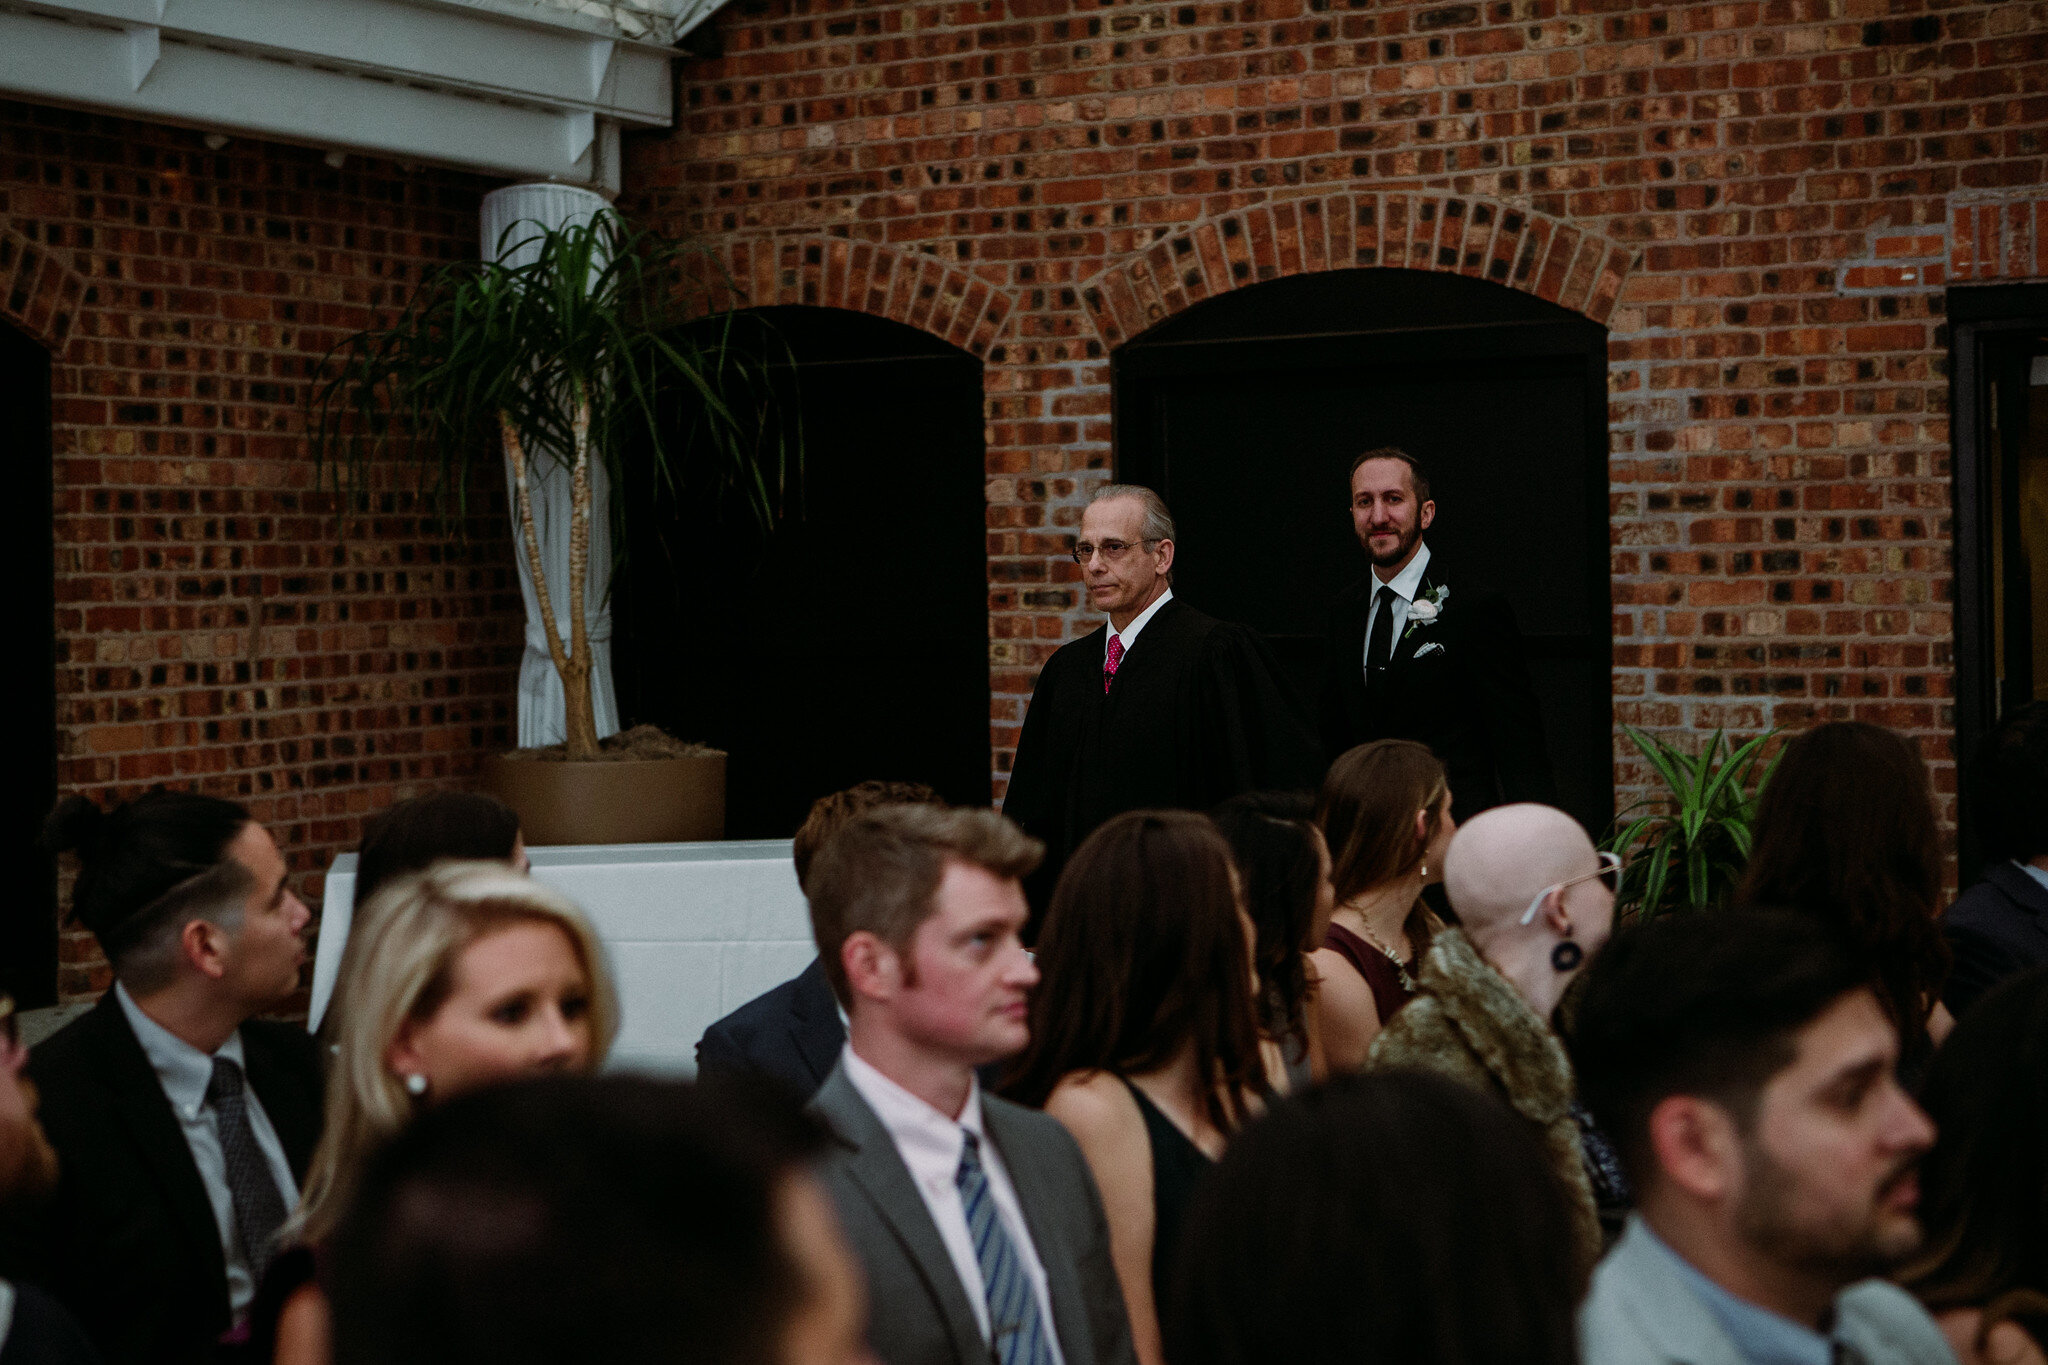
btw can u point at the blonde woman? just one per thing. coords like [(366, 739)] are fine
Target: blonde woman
[(461, 975)]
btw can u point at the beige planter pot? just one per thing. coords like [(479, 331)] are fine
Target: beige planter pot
[(612, 801)]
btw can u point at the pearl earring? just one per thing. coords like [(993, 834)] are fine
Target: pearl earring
[(415, 1085)]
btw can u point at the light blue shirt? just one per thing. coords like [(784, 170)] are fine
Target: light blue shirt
[(1763, 1337), (185, 1072)]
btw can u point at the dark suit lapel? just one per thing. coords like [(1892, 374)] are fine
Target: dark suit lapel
[(159, 1141), (885, 1180), (1414, 637), (2023, 889), (817, 1035), (1035, 1187)]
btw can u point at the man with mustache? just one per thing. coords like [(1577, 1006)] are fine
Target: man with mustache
[(1162, 707), (1747, 1073), (33, 1326), (1417, 654)]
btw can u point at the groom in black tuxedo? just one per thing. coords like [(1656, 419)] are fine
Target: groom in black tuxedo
[(1416, 654)]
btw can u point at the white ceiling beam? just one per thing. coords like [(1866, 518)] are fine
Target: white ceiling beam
[(43, 59), (458, 46)]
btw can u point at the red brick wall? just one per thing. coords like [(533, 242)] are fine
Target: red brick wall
[(1763, 201), (216, 627)]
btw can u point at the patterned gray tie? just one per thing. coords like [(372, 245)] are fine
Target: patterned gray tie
[(1016, 1331), (259, 1205)]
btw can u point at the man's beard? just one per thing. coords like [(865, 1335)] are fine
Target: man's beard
[(1409, 534), (1837, 1249)]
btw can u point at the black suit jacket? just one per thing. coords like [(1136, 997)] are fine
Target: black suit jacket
[(1468, 698), (1996, 929), (791, 1034), (129, 1244)]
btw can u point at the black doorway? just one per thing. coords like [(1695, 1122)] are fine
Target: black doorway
[(28, 747), (1246, 410), (2000, 402), (852, 641)]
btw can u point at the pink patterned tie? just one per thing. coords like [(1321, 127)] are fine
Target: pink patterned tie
[(1116, 656)]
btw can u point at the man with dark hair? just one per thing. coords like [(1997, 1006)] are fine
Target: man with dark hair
[(605, 1218), (1409, 658), (1187, 716), (182, 1124), (1746, 1071), (978, 1223), (1999, 927), (792, 1033)]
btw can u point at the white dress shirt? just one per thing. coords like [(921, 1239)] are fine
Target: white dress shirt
[(1406, 584), (930, 1145), (1129, 634), (185, 1072)]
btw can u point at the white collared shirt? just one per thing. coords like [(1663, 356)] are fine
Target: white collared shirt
[(1406, 584), (185, 1072), (930, 1145), (1129, 634)]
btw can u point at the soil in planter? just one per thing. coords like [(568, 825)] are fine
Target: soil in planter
[(642, 741)]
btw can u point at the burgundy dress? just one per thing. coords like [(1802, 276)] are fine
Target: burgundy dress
[(1379, 971)]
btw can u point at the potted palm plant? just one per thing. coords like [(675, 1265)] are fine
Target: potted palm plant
[(1688, 850), (570, 357)]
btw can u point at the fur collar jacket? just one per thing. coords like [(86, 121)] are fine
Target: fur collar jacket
[(1468, 1023)]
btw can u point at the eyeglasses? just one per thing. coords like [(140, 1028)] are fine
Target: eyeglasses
[(1609, 875), (1112, 550)]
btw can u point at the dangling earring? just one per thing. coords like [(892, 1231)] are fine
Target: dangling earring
[(1425, 869), (416, 1085), (1566, 957)]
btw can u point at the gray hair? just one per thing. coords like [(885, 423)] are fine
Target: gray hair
[(1158, 521)]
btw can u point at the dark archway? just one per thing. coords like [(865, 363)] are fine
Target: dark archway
[(1245, 410), (851, 642), (28, 746)]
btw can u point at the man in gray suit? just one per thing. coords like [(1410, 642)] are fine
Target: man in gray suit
[(979, 1226), (1746, 1071)]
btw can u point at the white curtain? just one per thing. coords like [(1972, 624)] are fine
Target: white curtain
[(542, 713)]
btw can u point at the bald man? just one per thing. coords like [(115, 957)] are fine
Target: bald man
[(1534, 898)]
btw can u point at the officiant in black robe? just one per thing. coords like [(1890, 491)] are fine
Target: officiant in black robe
[(1163, 707)]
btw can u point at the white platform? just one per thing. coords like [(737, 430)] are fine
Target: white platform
[(693, 931)]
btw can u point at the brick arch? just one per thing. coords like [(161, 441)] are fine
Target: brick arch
[(1483, 238), (910, 287), (39, 293)]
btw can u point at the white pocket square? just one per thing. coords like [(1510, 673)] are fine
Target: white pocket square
[(1431, 648)]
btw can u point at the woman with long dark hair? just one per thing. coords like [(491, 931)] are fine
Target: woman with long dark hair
[(1983, 1269), (1385, 811), (1846, 832), (1284, 866), (1144, 1040)]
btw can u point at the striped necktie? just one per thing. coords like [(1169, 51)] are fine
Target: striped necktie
[(1016, 1331)]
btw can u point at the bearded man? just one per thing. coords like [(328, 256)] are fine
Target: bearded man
[(1414, 654)]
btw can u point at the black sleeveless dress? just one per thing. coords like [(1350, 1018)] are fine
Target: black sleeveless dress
[(1177, 1164)]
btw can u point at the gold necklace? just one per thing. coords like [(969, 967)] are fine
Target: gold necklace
[(1366, 933)]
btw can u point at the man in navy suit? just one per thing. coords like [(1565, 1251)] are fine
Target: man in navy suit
[(794, 1032), (1999, 927), (1418, 653)]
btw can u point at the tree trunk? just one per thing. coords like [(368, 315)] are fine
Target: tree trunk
[(574, 669), (581, 711)]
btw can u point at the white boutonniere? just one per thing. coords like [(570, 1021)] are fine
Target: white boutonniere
[(1424, 610)]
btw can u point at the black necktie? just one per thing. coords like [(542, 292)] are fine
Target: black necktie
[(259, 1206), (1379, 644)]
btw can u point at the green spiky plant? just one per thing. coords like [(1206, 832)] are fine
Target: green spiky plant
[(1688, 850), (564, 358)]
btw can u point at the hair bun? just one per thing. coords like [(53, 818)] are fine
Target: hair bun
[(76, 823)]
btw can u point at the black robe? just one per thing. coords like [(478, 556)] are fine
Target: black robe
[(1197, 714)]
